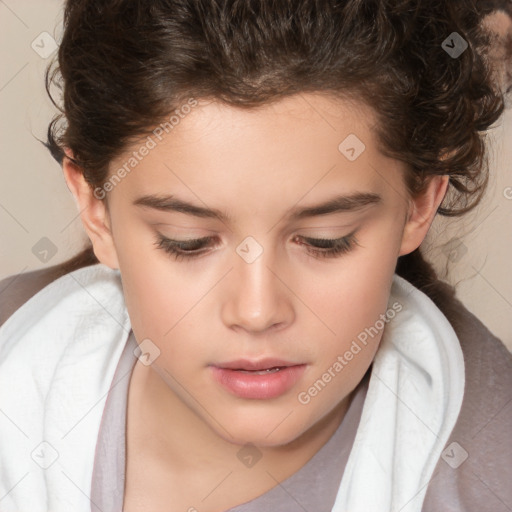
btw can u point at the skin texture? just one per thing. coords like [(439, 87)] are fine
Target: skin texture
[(256, 166)]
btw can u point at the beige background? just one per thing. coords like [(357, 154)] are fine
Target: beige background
[(35, 203)]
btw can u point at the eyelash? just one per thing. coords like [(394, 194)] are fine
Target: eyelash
[(329, 247)]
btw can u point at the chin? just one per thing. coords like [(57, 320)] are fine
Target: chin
[(264, 432)]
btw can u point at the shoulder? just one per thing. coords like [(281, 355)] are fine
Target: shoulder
[(475, 470), (17, 289)]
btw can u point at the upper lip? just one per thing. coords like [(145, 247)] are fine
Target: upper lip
[(263, 364)]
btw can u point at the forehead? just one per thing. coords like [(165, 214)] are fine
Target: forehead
[(305, 117), (302, 145)]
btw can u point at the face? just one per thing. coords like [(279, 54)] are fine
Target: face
[(240, 250)]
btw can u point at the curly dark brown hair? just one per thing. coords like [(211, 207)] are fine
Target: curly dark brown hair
[(124, 65)]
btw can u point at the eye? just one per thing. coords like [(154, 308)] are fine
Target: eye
[(318, 247), (329, 247), (183, 248)]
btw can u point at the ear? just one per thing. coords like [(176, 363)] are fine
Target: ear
[(422, 210), (93, 212)]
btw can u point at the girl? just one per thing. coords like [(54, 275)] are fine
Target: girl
[(254, 327)]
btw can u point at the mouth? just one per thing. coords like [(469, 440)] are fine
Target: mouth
[(259, 380), (261, 365), (262, 372)]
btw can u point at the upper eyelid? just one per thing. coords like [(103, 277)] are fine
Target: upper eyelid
[(205, 240), (191, 241)]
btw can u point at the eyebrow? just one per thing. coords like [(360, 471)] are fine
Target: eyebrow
[(338, 204)]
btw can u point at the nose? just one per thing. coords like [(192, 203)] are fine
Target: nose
[(256, 297)]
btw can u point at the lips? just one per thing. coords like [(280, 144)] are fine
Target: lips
[(248, 365), (260, 380)]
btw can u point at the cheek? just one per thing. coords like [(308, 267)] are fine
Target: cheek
[(354, 318), (350, 303), (352, 296), (156, 292), (157, 301)]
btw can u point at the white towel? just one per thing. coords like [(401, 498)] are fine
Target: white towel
[(414, 398), (59, 352)]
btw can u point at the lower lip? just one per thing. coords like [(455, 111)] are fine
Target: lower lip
[(261, 387)]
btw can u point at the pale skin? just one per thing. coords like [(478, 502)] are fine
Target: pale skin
[(183, 429)]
